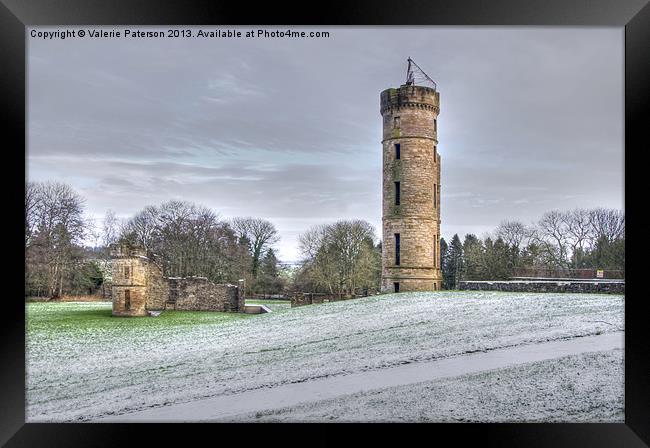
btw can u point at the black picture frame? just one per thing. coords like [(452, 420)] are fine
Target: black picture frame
[(634, 15)]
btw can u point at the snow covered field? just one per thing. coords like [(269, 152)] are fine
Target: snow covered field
[(579, 388), (83, 364)]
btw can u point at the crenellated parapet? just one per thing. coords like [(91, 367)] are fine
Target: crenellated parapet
[(123, 250), (419, 97)]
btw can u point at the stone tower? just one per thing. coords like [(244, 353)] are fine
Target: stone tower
[(411, 189), (138, 283)]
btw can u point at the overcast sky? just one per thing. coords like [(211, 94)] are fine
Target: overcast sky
[(531, 119)]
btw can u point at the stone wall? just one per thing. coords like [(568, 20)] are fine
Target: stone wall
[(417, 217), (129, 301), (157, 287), (200, 294), (312, 298), (597, 287)]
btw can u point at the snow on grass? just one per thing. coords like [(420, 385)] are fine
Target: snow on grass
[(82, 363), (587, 388)]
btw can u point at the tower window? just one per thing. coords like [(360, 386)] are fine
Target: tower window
[(396, 122), (396, 286), (434, 251), (127, 299), (397, 193), (397, 249), (127, 272), (435, 125), (435, 197), (397, 151)]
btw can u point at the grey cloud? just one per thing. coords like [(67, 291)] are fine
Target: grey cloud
[(531, 119)]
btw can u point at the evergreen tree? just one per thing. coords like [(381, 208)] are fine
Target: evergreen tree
[(455, 265), (473, 253), (607, 254), (444, 263), (502, 263), (268, 279)]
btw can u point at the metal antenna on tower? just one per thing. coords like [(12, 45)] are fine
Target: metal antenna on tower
[(415, 75), (409, 74)]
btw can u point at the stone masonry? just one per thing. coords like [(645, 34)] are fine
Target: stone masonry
[(139, 287), (411, 173), (138, 283), (594, 287), (200, 294)]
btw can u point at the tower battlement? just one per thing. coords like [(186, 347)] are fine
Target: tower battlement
[(410, 96), (125, 251)]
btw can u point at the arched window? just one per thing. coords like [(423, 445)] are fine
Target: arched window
[(434, 251)]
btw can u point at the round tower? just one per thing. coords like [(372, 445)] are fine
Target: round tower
[(411, 189)]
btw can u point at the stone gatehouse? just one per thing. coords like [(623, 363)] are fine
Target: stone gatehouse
[(139, 287)]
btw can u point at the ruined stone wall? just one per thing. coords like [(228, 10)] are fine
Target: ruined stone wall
[(141, 279), (200, 294), (157, 287), (417, 217), (545, 286), (307, 298)]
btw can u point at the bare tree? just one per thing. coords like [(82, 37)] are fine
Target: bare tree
[(188, 239), (608, 224), (579, 232), (341, 257), (318, 264), (513, 233), (552, 236), (32, 205), (141, 228), (575, 238), (260, 235), (110, 228), (55, 229)]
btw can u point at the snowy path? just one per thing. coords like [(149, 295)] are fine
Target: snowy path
[(225, 407)]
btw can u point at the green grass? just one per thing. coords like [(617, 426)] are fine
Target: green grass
[(90, 317)]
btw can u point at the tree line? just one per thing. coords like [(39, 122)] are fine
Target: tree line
[(55, 228), (559, 240), (341, 258), (186, 239)]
